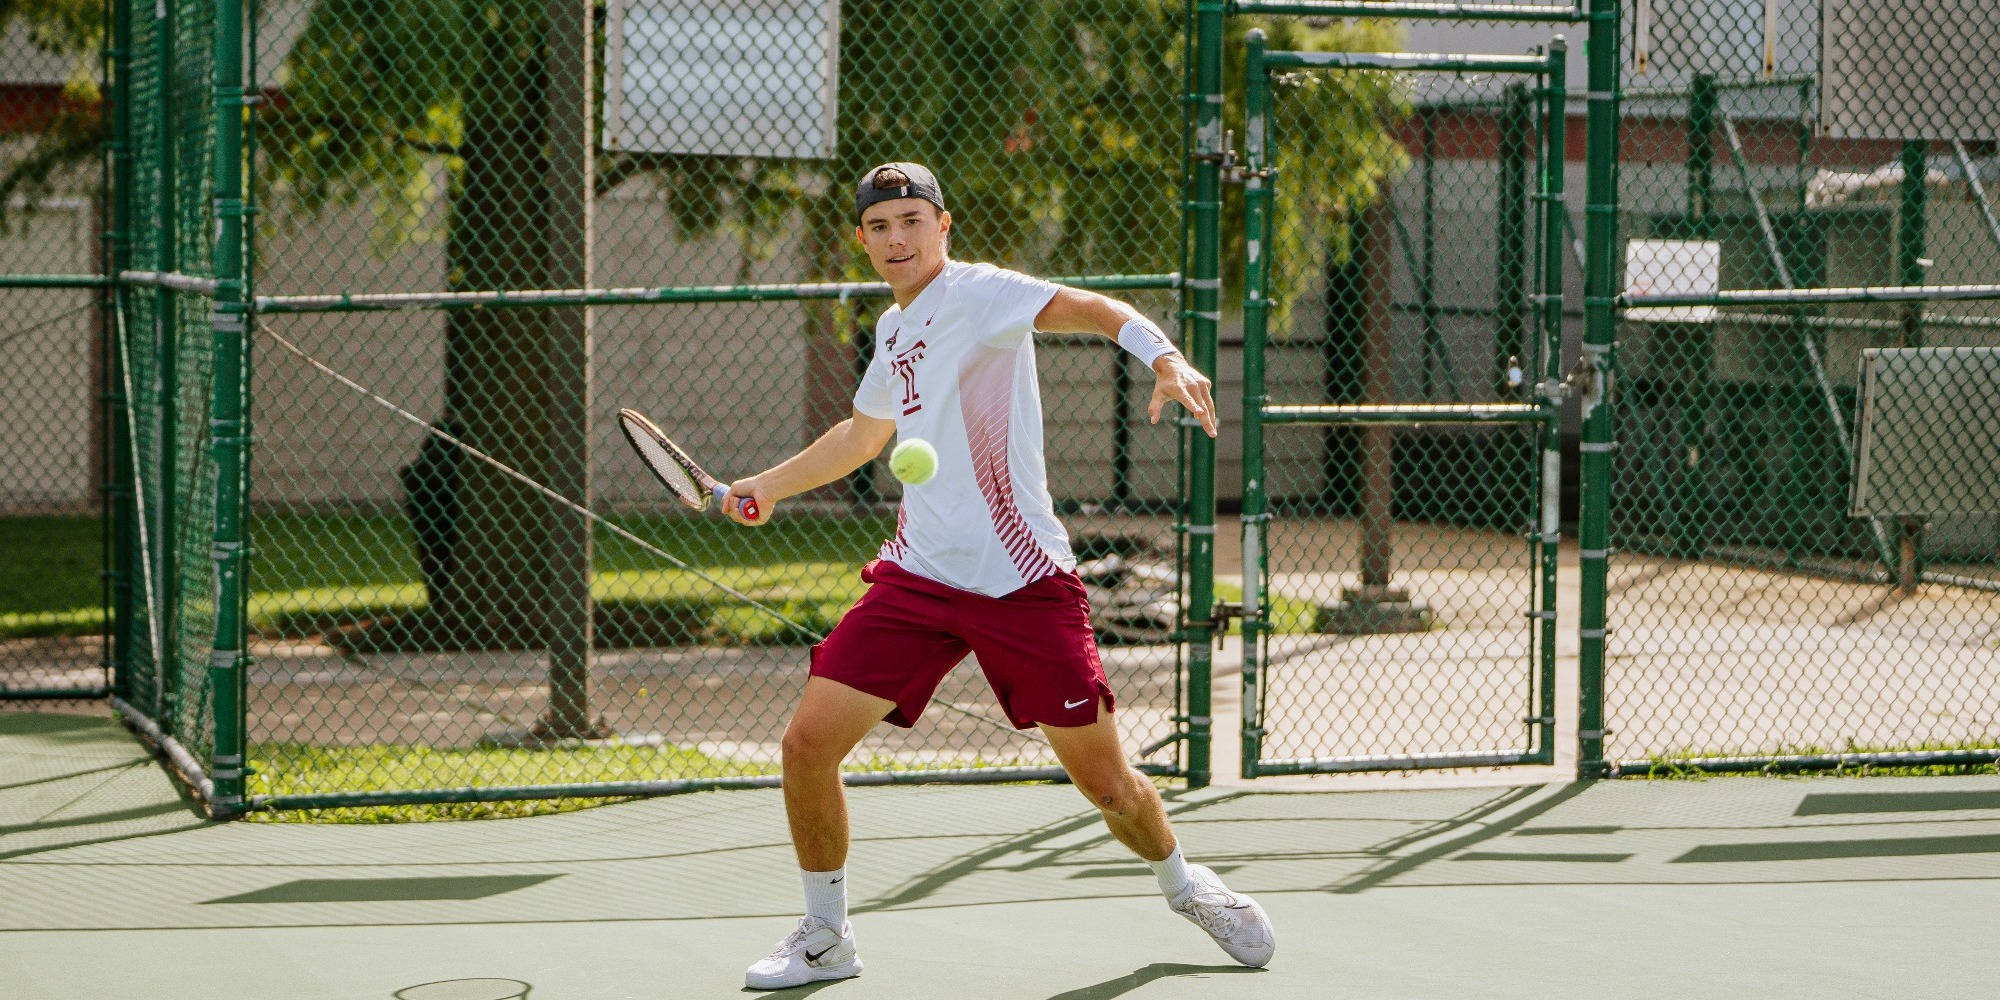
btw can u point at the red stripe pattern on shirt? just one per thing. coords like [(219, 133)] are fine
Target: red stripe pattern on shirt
[(899, 545), (986, 397)]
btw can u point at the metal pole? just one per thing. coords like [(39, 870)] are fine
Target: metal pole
[(1701, 156), (1599, 327), (1687, 515), (1910, 267), (117, 252), (1910, 226), (1256, 316), (1204, 319), (166, 439), (228, 421), (570, 181), (1554, 161)]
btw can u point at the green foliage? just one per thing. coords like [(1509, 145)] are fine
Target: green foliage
[(1056, 126), (64, 27), (74, 135), (369, 90), (1334, 155)]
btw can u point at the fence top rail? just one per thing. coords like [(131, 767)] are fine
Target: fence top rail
[(371, 301), (1450, 62), (1404, 413), (170, 281), (1810, 296), (53, 281), (1547, 13)]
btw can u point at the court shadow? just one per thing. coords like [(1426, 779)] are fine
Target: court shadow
[(1122, 985), (798, 991)]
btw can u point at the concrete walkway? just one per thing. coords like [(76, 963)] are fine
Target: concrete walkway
[(110, 886)]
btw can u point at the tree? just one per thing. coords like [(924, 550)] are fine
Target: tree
[(70, 135), (1057, 127)]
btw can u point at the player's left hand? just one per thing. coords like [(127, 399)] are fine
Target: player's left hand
[(1176, 380)]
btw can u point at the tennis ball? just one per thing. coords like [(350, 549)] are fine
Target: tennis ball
[(914, 461)]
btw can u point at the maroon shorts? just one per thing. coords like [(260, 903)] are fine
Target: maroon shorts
[(1034, 645)]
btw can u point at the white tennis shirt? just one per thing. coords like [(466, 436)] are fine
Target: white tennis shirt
[(957, 368)]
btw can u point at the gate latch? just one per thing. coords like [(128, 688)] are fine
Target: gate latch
[(1221, 613)]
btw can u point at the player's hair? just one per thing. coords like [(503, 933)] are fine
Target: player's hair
[(889, 178)]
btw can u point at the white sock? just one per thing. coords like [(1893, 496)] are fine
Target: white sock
[(1172, 871), (826, 896)]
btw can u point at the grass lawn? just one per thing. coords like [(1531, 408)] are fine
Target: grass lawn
[(312, 573), (49, 582), (293, 768), (296, 768)]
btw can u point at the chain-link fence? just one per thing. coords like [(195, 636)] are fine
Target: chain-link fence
[(498, 225), (1396, 346), (425, 623), (1759, 605), (52, 371)]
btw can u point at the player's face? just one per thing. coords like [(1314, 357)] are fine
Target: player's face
[(905, 239)]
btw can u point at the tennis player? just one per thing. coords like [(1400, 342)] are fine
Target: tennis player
[(978, 564)]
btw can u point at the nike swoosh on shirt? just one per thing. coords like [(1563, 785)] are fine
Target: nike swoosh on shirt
[(1073, 704)]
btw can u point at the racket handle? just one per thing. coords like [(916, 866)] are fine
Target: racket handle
[(747, 505)]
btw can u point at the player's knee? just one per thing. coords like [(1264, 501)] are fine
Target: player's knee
[(804, 746), (1118, 793)]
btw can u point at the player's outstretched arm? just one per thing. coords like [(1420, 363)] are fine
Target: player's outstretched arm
[(1074, 310), (846, 447)]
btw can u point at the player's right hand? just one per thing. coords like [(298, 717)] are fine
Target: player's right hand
[(748, 488)]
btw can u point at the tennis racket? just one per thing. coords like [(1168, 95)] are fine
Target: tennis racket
[(673, 468)]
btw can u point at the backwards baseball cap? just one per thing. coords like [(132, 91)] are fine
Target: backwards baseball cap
[(920, 185)]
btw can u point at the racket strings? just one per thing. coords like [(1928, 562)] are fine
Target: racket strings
[(596, 518), (665, 465)]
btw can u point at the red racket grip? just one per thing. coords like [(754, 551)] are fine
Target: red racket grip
[(748, 505)]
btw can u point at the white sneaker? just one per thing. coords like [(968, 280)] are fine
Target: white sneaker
[(1234, 920), (815, 951)]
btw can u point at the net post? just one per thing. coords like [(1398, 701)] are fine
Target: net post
[(1256, 316), (1599, 329), (228, 420), (1203, 318)]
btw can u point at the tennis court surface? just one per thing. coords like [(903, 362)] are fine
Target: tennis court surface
[(1732, 887)]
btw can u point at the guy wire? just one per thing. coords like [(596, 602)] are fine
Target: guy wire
[(595, 517)]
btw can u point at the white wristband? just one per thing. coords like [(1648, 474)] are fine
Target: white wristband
[(1144, 340)]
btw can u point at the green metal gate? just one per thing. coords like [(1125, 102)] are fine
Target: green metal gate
[(1402, 308)]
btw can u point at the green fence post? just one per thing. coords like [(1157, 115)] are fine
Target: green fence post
[(1256, 315), (166, 362), (1204, 318), (1910, 225), (1554, 162), (1701, 157), (1599, 326), (117, 256), (228, 423)]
